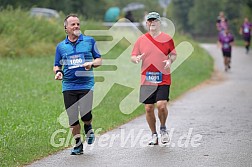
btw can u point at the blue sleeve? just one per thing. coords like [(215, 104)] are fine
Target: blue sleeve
[(95, 51), (57, 61)]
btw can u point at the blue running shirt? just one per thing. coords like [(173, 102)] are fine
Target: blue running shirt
[(71, 56)]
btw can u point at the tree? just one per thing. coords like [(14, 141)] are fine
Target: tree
[(180, 10)]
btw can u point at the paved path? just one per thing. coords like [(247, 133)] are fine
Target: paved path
[(211, 125)]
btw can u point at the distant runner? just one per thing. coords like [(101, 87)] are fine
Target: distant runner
[(226, 41), (245, 31), (221, 23)]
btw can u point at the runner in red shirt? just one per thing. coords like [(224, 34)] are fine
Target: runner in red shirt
[(157, 52)]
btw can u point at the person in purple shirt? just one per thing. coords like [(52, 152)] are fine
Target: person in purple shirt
[(245, 31), (226, 42), (221, 23)]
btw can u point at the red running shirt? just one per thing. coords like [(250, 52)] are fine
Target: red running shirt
[(155, 50)]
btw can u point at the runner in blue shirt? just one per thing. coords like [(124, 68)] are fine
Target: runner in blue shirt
[(75, 58)]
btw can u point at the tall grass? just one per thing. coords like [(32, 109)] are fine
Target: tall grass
[(31, 100), (22, 34)]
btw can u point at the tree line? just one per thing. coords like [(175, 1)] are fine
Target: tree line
[(89, 9), (196, 17)]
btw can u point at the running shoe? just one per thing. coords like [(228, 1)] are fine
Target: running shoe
[(154, 139), (164, 137), (77, 150), (90, 137)]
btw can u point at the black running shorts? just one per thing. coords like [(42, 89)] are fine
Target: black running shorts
[(226, 54), (247, 38), (152, 94), (77, 102)]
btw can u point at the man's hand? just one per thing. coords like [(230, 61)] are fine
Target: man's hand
[(88, 65), (167, 64), (137, 59), (58, 76)]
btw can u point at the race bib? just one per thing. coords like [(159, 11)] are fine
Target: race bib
[(246, 30), (154, 77), (226, 45), (75, 61)]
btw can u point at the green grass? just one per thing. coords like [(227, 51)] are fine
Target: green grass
[(197, 68), (31, 100)]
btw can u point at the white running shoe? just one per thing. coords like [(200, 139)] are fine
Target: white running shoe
[(154, 140), (164, 137)]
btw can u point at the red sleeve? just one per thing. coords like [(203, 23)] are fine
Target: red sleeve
[(136, 48), (173, 51)]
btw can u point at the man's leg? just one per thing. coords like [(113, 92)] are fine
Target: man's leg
[(162, 111), (162, 100), (229, 62), (71, 105), (87, 119), (226, 63), (247, 45), (78, 148), (86, 102), (151, 120), (147, 96), (76, 133), (150, 117), (162, 115)]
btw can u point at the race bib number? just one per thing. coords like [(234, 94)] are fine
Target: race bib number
[(154, 77), (75, 61)]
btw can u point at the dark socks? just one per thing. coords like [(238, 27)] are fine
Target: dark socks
[(78, 141), (87, 128), (162, 128)]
